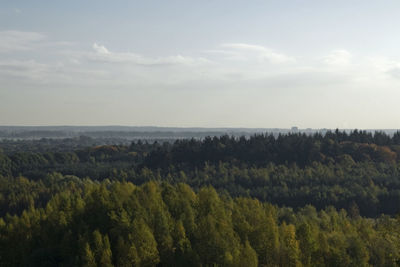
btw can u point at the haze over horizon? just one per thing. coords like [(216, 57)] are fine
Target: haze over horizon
[(259, 64)]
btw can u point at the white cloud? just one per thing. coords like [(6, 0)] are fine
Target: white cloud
[(230, 63), (394, 72), (100, 49), (385, 65), (338, 58), (19, 41), (102, 54), (241, 51), (23, 69)]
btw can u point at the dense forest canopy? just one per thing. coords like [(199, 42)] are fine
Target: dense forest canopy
[(338, 168), (287, 200), (84, 223)]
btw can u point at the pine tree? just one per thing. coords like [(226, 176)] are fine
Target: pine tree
[(126, 254), (145, 243), (307, 243), (290, 252), (106, 254), (248, 256), (88, 257)]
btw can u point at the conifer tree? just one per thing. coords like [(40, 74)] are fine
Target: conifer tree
[(145, 243), (290, 252), (88, 257)]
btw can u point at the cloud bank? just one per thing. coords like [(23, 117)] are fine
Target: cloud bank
[(241, 51), (227, 62), (11, 41), (102, 54), (235, 81)]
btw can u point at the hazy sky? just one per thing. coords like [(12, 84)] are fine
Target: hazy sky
[(201, 63)]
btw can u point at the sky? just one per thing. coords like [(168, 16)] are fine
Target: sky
[(262, 64)]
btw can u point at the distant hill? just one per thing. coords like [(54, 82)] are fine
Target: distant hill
[(143, 132)]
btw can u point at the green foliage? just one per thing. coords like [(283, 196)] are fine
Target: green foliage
[(356, 170), (289, 250), (216, 202), (118, 224), (145, 243), (248, 256), (88, 257)]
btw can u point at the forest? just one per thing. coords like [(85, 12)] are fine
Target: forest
[(294, 199)]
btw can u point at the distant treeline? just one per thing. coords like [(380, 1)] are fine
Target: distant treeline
[(109, 134), (261, 149)]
